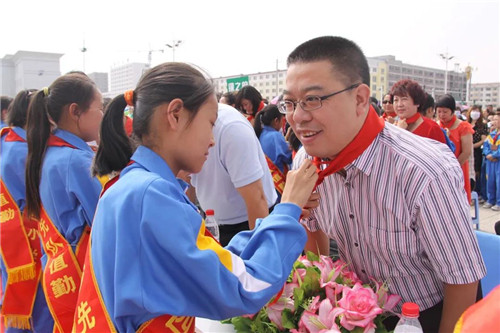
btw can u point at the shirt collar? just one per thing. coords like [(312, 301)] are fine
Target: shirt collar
[(364, 162), (20, 131), (72, 139)]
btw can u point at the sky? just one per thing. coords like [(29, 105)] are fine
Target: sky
[(243, 37)]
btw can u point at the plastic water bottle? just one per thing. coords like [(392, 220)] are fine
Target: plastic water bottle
[(409, 320), (210, 223)]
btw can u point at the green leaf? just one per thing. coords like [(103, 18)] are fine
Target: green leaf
[(312, 256), (241, 324), (298, 297), (288, 319)]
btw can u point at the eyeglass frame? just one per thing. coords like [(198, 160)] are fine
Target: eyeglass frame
[(321, 99), (387, 102)]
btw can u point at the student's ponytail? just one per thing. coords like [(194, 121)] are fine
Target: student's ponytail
[(266, 117), (44, 112), (115, 147), (257, 126), (37, 133)]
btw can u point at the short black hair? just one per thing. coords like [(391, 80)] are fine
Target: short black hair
[(5, 102), (345, 56)]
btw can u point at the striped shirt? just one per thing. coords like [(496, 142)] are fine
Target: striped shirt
[(400, 215)]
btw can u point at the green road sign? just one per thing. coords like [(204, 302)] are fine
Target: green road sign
[(237, 83)]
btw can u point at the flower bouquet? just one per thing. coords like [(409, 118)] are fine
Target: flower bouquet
[(321, 295)]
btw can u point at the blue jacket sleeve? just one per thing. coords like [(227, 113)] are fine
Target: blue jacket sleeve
[(200, 278), (486, 147)]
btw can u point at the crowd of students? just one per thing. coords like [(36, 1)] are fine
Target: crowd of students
[(99, 235)]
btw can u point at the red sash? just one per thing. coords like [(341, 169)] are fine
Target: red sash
[(62, 273), (278, 177), (20, 249), (92, 316)]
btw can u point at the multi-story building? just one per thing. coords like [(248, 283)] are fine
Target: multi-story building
[(384, 72), (124, 77), (101, 81), (28, 70), (485, 94), (269, 84)]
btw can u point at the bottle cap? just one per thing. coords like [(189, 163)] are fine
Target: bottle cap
[(209, 212), (410, 309)]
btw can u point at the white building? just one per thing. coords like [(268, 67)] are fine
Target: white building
[(125, 77), (28, 70), (101, 81), (485, 94)]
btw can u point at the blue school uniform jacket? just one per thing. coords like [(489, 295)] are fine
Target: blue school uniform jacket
[(69, 193), (151, 257), (12, 167), (275, 147)]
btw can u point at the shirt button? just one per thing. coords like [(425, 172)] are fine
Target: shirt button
[(364, 272), (356, 244), (347, 184), (351, 215)]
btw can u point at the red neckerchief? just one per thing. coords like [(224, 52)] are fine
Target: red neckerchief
[(261, 106), (55, 141), (413, 118), (448, 124), (391, 114), (11, 135), (371, 128)]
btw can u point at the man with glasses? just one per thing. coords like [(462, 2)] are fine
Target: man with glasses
[(391, 200)]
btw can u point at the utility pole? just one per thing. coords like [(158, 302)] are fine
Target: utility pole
[(173, 46), (446, 58), (83, 50)]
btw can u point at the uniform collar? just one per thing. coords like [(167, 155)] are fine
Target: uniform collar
[(72, 139), (152, 162), (19, 131)]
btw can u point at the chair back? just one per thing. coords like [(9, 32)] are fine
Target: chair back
[(489, 245)]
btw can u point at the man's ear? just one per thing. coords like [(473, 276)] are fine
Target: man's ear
[(362, 99), (173, 112)]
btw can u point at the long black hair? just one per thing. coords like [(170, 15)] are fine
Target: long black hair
[(159, 85), (44, 111), (266, 117), (18, 109)]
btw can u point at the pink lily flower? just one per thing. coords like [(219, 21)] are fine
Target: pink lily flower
[(324, 321)]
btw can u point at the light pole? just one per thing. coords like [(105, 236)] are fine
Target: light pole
[(446, 58), (83, 49), (173, 46), (468, 75)]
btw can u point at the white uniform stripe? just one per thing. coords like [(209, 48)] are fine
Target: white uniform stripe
[(249, 282)]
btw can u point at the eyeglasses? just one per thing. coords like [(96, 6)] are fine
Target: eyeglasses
[(386, 102), (310, 102)]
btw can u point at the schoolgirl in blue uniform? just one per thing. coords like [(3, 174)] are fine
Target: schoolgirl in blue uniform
[(14, 150), (491, 152), (150, 257), (60, 190), (267, 125)]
